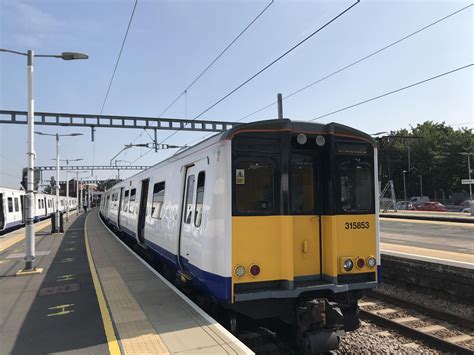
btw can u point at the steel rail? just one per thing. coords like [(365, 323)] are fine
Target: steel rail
[(435, 313), (413, 333)]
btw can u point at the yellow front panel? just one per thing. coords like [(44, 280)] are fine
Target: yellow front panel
[(265, 241), (306, 251), (347, 236)]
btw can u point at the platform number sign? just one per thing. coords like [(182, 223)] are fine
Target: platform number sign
[(240, 176)]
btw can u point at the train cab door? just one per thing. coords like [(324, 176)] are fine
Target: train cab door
[(191, 213), (142, 212), (305, 206)]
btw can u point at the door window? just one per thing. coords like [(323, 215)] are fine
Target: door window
[(302, 184), (254, 187), (10, 204), (17, 205), (158, 199), (199, 198), (125, 201), (189, 200), (133, 194)]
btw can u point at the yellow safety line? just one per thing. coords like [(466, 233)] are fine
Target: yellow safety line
[(12, 240), (446, 223), (104, 310)]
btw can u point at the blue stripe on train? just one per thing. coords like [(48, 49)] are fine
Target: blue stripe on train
[(13, 224), (214, 285)]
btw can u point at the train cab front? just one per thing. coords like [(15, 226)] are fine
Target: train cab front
[(304, 226)]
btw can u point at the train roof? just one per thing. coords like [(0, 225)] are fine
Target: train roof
[(297, 127)]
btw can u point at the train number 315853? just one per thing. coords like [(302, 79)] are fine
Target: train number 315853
[(357, 225)]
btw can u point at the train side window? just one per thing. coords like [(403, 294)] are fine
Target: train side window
[(199, 198), (188, 216), (158, 199), (133, 193), (17, 205), (356, 184), (254, 187), (10, 204), (125, 201)]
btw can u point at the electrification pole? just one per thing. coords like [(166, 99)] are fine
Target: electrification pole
[(30, 186)]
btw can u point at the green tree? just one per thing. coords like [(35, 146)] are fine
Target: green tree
[(434, 154)]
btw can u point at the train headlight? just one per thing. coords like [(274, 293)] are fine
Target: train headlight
[(239, 271), (360, 263), (254, 270), (301, 138), (371, 261), (320, 141), (348, 265)]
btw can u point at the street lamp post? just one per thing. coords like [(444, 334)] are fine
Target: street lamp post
[(79, 195), (29, 226), (421, 185), (118, 170), (469, 171), (404, 185), (57, 135), (67, 184)]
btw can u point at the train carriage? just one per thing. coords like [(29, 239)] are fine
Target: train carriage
[(272, 219), (11, 211)]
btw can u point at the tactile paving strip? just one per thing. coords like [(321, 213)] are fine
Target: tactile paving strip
[(135, 332)]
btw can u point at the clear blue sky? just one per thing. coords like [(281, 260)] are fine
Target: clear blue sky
[(170, 42)]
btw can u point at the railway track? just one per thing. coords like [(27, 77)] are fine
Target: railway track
[(440, 330)]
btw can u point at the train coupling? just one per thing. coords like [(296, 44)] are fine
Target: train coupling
[(320, 324)]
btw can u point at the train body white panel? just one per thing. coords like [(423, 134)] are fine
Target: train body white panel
[(11, 211)]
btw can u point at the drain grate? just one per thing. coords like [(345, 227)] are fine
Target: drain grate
[(48, 291)]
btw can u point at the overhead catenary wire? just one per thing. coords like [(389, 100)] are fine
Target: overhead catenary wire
[(184, 92), (357, 61), (114, 71), (266, 67), (276, 60), (393, 92), (118, 57)]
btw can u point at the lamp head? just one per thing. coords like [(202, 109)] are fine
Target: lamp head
[(73, 56)]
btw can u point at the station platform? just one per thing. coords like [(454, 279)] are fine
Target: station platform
[(429, 216), (465, 261), (441, 242), (96, 296)]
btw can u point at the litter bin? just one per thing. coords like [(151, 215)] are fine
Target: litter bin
[(61, 222), (53, 223), (54, 227)]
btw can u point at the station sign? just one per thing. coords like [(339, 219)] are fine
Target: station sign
[(467, 181)]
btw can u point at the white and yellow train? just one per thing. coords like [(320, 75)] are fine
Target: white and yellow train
[(273, 220)]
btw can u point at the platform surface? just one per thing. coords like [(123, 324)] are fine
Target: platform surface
[(96, 297), (449, 243), (427, 215)]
